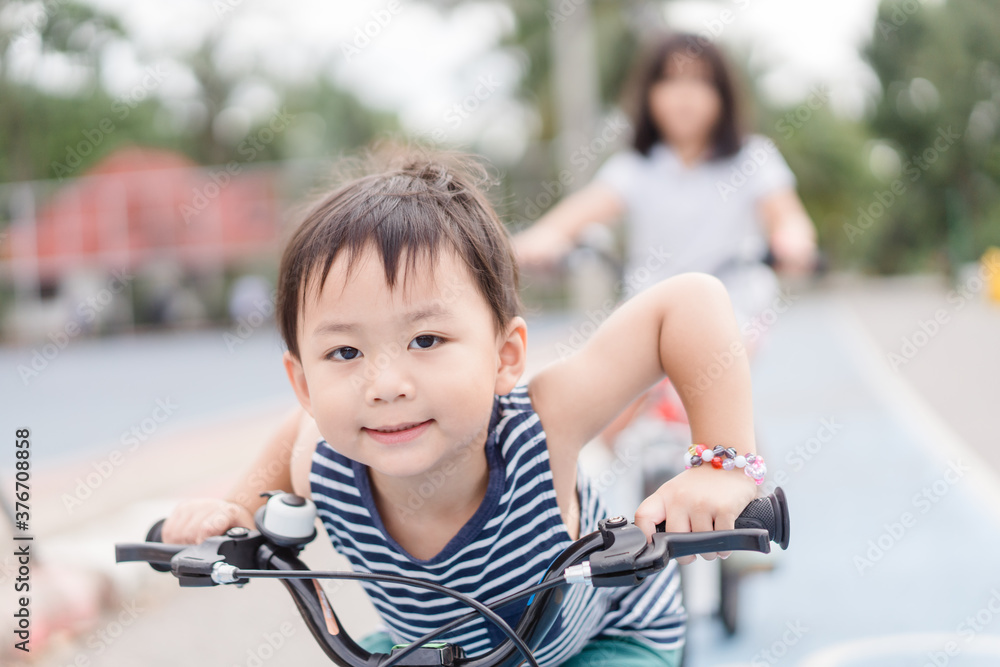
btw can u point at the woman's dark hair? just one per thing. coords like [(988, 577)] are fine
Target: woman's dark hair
[(651, 66), (410, 202)]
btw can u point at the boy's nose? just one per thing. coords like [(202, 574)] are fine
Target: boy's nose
[(389, 381)]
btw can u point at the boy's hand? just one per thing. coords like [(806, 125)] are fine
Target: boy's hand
[(697, 499), (193, 521)]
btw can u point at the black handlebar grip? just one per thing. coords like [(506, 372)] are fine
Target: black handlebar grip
[(155, 534), (769, 513)]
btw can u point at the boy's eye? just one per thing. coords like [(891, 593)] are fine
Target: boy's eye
[(424, 342), (344, 353)]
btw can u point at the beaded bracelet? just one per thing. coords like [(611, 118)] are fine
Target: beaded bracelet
[(727, 459)]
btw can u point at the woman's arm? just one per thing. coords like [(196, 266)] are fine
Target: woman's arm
[(790, 231), (683, 327), (555, 232)]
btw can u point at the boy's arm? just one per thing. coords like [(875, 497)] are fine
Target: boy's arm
[(195, 520), (272, 467), (683, 327)]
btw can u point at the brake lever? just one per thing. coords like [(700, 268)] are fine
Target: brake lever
[(208, 563), (615, 564), (627, 558), (666, 546), (202, 564)]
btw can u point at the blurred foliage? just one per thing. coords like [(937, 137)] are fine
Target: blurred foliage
[(939, 67), (47, 135), (33, 124), (614, 44), (828, 156)]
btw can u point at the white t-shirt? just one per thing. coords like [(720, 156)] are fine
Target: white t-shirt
[(700, 218)]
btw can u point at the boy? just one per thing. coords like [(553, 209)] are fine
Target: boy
[(398, 303)]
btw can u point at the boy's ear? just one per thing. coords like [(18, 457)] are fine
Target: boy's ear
[(297, 376), (512, 356)]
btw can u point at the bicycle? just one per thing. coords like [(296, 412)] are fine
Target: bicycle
[(617, 554)]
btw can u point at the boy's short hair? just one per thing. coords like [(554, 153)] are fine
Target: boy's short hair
[(412, 199)]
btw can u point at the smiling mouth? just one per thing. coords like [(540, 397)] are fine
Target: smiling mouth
[(400, 427)]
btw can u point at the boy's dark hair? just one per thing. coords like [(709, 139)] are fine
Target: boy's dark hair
[(409, 198), (650, 67)]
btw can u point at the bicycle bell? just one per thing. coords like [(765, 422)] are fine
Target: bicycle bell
[(286, 519)]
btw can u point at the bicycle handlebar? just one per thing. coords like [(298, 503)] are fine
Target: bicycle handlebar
[(617, 554)]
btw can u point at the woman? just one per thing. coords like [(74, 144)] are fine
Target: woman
[(691, 186)]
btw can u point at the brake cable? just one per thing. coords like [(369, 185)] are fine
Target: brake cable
[(239, 573), (450, 625)]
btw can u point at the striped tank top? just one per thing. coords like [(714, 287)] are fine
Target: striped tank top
[(505, 547)]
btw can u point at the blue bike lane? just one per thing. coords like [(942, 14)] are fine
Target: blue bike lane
[(895, 523)]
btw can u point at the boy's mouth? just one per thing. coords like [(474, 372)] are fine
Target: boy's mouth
[(398, 427), (398, 432)]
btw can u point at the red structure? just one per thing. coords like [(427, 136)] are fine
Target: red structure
[(142, 203)]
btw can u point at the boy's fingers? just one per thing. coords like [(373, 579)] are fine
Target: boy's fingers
[(679, 522), (175, 528), (701, 522), (649, 513), (725, 521)]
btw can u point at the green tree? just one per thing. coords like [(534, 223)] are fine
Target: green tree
[(939, 69), (49, 135)]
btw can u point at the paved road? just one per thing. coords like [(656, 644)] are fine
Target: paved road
[(894, 518), (944, 340)]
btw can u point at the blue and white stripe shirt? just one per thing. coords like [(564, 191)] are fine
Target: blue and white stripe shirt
[(505, 547)]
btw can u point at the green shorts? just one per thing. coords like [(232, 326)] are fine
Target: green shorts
[(598, 652)]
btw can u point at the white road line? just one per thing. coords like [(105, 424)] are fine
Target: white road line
[(901, 646), (939, 440)]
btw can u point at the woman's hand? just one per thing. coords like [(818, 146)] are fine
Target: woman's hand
[(540, 246), (794, 248), (698, 499), (791, 234), (193, 521)]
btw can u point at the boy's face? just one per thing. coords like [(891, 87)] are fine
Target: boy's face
[(424, 356)]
